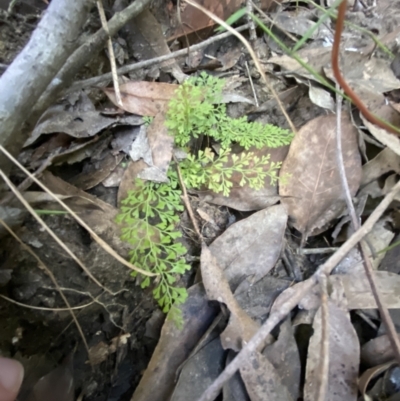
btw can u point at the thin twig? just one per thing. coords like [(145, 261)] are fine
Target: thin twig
[(186, 201), (111, 55), (43, 266), (72, 308), (50, 232), (369, 271), (90, 82), (252, 54), (252, 85), (275, 317), (324, 354), (102, 243)]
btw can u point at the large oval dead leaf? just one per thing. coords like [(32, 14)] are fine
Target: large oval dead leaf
[(143, 98), (251, 246), (311, 187), (344, 357)]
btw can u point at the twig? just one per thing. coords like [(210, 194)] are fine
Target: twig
[(252, 28), (252, 54), (369, 271), (252, 85), (82, 55), (72, 308), (324, 354), (186, 201), (90, 82), (275, 317), (42, 265), (102, 243), (36, 65), (111, 55), (50, 232)]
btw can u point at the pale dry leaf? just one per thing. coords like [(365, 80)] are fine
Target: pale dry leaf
[(252, 246), (199, 371), (390, 140), (377, 351), (384, 162), (263, 382), (313, 191), (358, 291), (344, 358), (143, 98), (240, 327), (283, 354)]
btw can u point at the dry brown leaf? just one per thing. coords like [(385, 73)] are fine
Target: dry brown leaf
[(149, 42), (358, 291), (240, 327), (263, 382), (385, 161), (377, 351), (284, 356), (95, 172), (390, 140), (143, 98), (193, 20), (313, 191), (251, 246), (174, 346), (344, 358), (199, 371)]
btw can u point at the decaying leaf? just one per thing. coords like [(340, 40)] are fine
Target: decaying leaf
[(143, 98), (147, 41), (240, 327), (174, 347), (344, 357), (358, 291), (263, 382), (377, 351), (252, 246), (283, 354), (199, 371), (390, 140), (385, 161), (313, 190)]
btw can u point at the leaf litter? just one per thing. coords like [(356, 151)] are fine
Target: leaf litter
[(94, 155)]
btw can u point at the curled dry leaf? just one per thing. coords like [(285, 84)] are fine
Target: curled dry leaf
[(143, 98), (313, 191), (344, 356)]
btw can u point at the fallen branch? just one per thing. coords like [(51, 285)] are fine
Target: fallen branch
[(27, 77)]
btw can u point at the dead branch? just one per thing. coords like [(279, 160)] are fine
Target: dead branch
[(33, 69)]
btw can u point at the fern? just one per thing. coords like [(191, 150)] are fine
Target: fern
[(149, 214), (215, 173), (149, 218), (196, 110)]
